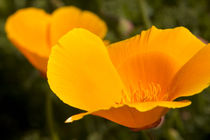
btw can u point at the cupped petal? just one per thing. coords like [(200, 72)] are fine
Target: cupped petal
[(193, 77), (66, 18), (81, 73), (28, 30), (141, 116), (178, 43)]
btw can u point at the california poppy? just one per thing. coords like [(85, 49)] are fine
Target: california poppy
[(34, 32), (132, 82)]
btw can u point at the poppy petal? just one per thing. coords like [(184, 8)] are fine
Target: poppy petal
[(81, 73), (178, 43), (77, 117), (193, 77), (126, 116), (131, 117), (33, 34), (139, 116), (40, 62), (66, 18), (31, 38), (146, 106), (93, 23)]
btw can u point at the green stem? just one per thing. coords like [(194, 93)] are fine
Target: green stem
[(49, 117), (145, 135), (145, 16)]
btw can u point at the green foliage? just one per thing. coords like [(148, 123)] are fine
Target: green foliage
[(22, 90)]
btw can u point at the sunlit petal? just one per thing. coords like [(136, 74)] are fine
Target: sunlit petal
[(81, 73)]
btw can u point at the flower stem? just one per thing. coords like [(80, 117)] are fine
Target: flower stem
[(144, 12), (49, 117), (145, 135)]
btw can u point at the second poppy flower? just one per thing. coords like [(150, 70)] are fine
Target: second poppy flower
[(34, 32)]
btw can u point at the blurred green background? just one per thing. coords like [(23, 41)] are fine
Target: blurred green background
[(22, 89)]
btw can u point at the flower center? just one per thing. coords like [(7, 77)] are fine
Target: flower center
[(148, 93), (146, 77)]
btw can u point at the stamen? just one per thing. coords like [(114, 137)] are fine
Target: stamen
[(144, 93)]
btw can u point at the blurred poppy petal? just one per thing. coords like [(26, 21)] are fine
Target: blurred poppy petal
[(40, 62), (28, 31), (28, 28), (66, 18), (93, 23), (81, 73)]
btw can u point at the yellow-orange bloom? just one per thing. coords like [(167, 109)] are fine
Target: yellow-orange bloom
[(134, 82), (33, 31)]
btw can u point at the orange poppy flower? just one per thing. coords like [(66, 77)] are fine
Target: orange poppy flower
[(134, 82), (33, 31)]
